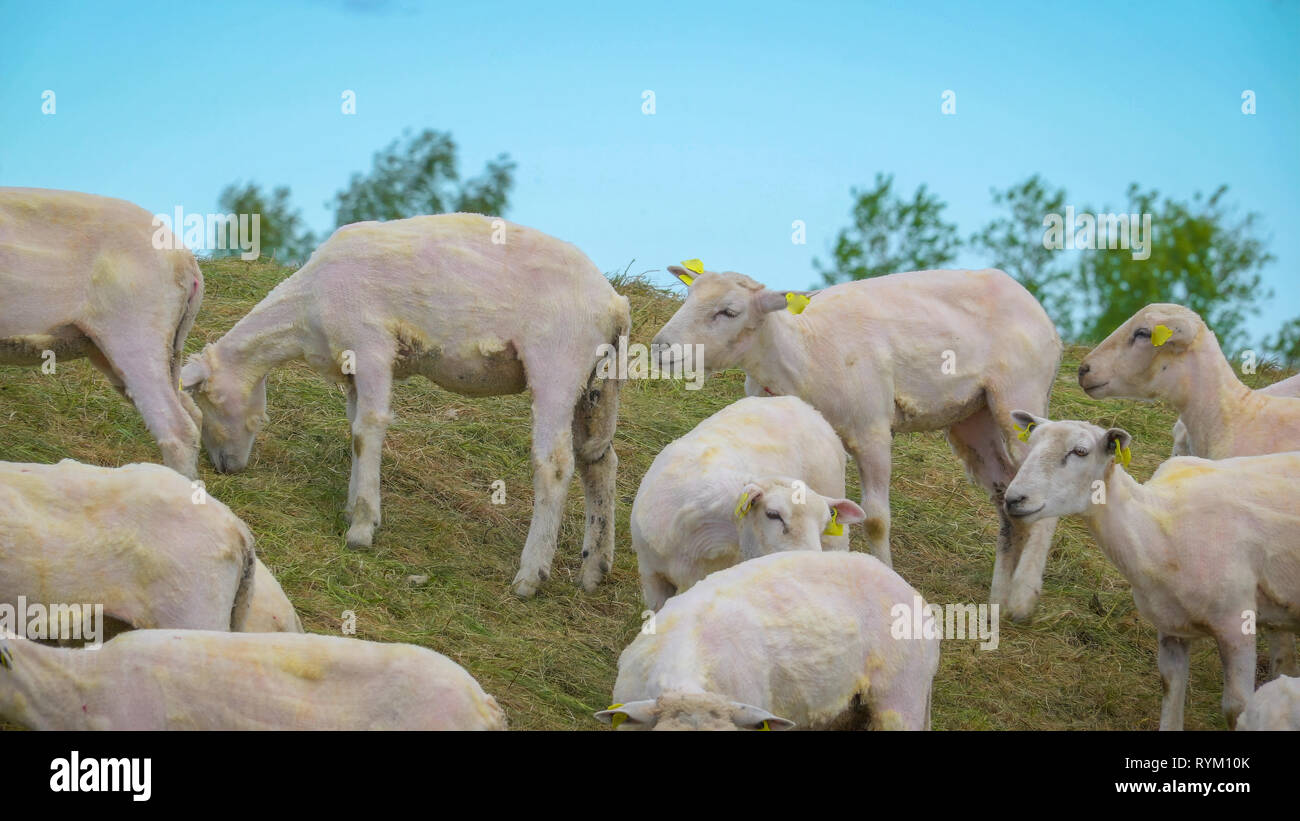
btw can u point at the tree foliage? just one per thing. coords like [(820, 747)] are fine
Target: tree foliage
[(281, 230)]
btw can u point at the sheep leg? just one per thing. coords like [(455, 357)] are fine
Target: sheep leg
[(1281, 655), (1175, 666), (552, 469), (594, 422), (373, 385), (871, 452), (1237, 652), (144, 371), (352, 480)]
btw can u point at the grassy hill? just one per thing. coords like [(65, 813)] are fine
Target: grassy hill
[(440, 569)]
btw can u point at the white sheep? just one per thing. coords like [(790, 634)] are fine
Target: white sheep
[(914, 351), (135, 540), (726, 492), (82, 276), (205, 680), (1287, 387), (478, 305), (1274, 706), (798, 638), (1167, 352), (1211, 548)]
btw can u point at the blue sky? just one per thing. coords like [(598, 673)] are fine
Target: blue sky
[(766, 113)]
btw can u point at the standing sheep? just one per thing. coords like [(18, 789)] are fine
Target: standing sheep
[(906, 352), (725, 492), (200, 680), (1211, 548), (479, 306), (134, 540), (1287, 387), (798, 638), (81, 276)]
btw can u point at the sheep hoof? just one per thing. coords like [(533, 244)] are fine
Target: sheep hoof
[(524, 588), (1021, 607), (360, 537)]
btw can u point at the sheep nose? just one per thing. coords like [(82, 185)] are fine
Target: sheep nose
[(1083, 369), (1014, 501)]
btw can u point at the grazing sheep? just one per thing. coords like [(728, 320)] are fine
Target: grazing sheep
[(477, 305), (1166, 352), (915, 351), (1275, 706), (1211, 548), (721, 494), (82, 277), (203, 680), (796, 638), (1287, 387), (270, 611)]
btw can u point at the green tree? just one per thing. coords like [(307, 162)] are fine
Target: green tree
[(891, 234), (418, 175), (1286, 345), (281, 231), (1202, 255), (1014, 243)]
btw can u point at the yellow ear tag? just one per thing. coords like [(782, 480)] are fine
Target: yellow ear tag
[(742, 507), (1160, 335), (796, 302), (1023, 433), (1123, 455), (691, 265), (765, 725), (832, 529), (617, 718)]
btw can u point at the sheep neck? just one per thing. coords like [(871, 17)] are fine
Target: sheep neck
[(777, 357), (1117, 525), (42, 688), (1209, 396), (266, 337)]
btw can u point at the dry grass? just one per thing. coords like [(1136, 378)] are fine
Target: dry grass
[(1087, 661)]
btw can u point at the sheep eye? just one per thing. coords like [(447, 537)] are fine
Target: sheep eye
[(1141, 333), (774, 516), (1080, 451), (727, 312)]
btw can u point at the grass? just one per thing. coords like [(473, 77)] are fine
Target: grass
[(439, 573)]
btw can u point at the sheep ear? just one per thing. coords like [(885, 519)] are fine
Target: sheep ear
[(847, 511), (1120, 437), (748, 496), (749, 717), (195, 372), (1025, 419), (636, 712), (687, 278), (769, 300)]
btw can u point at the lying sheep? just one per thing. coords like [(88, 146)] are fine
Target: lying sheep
[(723, 493), (202, 680), (88, 276), (1211, 548), (134, 540), (1166, 352), (1287, 387), (797, 638), (915, 351), (481, 307), (1275, 706)]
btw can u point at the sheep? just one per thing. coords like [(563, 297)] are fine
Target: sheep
[(134, 540), (477, 305), (1274, 706), (1287, 387), (1166, 352), (1211, 548), (209, 680), (797, 638), (89, 276), (914, 351), (722, 493)]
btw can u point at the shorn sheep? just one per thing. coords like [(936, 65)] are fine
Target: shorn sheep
[(203, 680), (1287, 387), (1274, 706), (798, 638), (1211, 548), (727, 491), (135, 540), (477, 305), (1167, 352), (81, 276), (906, 352)]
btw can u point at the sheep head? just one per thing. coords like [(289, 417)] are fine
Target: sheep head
[(1065, 459), (233, 409), (1139, 359), (691, 711), (777, 514)]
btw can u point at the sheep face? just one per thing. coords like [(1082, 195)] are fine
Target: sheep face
[(722, 312), (775, 515), (1065, 460), (692, 711), (233, 411), (1134, 361)]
